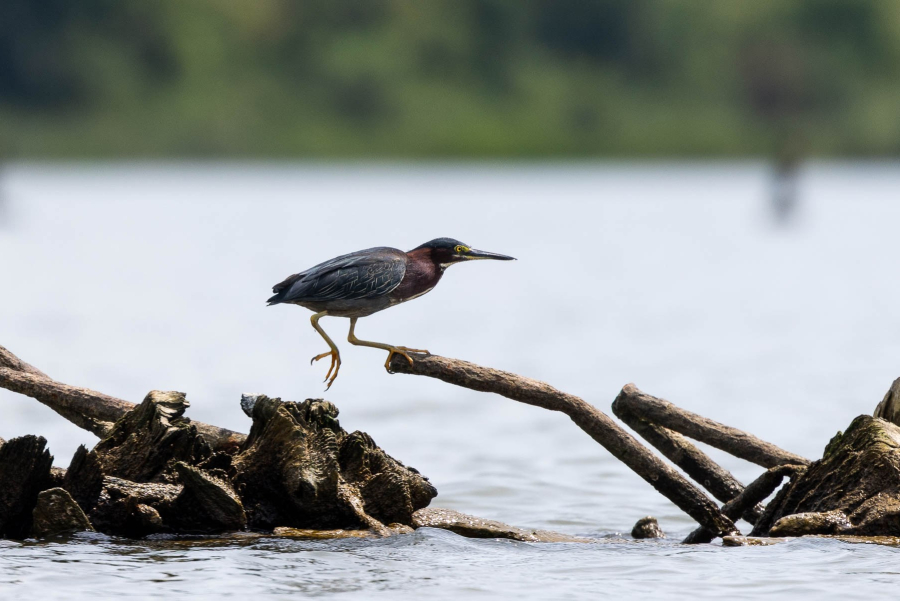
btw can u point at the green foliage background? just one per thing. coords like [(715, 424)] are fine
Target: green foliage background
[(448, 78)]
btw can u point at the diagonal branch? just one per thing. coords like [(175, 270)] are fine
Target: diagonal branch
[(695, 463), (594, 422), (94, 411), (731, 440)]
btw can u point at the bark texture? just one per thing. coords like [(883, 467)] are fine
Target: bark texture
[(594, 422), (57, 513), (475, 527), (300, 469), (86, 408), (731, 440), (858, 476), (24, 472)]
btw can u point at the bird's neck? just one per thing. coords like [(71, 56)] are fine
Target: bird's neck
[(424, 262), (423, 273), (424, 256)]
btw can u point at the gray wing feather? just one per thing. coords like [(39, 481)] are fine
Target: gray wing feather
[(364, 274)]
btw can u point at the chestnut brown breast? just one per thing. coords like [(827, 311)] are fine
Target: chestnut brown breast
[(422, 274)]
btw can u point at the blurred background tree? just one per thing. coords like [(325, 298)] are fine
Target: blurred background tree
[(448, 78)]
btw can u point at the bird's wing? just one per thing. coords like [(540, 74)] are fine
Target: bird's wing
[(365, 274)]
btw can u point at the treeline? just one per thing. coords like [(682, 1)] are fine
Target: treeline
[(448, 78)]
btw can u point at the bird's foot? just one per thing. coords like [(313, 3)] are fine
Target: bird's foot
[(335, 365), (404, 351)]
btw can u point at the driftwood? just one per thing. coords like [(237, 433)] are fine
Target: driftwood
[(299, 468), (300, 474), (57, 513), (731, 440), (24, 472), (756, 492), (156, 471), (475, 527), (594, 422), (854, 489), (647, 527), (677, 449), (662, 424), (93, 411)]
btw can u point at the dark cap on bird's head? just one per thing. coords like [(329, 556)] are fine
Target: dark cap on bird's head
[(450, 250)]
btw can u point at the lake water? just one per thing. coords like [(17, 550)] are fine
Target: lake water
[(677, 277)]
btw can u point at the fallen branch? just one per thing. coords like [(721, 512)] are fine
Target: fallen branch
[(756, 492), (695, 463), (88, 409), (731, 440), (594, 422)]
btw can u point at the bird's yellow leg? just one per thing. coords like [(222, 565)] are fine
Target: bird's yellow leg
[(399, 350), (335, 354)]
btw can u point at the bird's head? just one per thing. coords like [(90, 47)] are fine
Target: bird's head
[(447, 251)]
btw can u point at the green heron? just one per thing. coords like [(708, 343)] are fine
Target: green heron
[(367, 281)]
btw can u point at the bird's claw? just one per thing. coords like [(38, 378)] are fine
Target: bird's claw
[(404, 351), (335, 365)]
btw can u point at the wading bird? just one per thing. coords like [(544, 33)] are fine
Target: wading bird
[(367, 281)]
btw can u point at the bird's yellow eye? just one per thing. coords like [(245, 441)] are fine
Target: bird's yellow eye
[(461, 249)]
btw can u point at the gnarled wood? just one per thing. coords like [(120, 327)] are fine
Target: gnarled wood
[(594, 422), (24, 472), (858, 475), (88, 409)]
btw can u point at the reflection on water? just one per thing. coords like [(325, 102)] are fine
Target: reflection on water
[(127, 279)]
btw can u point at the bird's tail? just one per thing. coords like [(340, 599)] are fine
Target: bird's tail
[(274, 300)]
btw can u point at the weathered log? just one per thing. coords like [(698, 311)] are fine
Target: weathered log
[(314, 534), (803, 524), (731, 440), (756, 492), (57, 513), (146, 443), (594, 422), (889, 407), (92, 411), (84, 478), (206, 504), (7, 359), (647, 527), (88, 409), (133, 509), (859, 475), (475, 527), (24, 472), (299, 468), (695, 463)]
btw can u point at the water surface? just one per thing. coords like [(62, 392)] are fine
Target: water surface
[(127, 278)]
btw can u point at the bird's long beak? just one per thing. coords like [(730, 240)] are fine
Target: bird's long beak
[(481, 254)]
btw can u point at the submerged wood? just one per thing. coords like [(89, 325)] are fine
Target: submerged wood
[(647, 527), (475, 527), (86, 408), (594, 422), (756, 492)]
